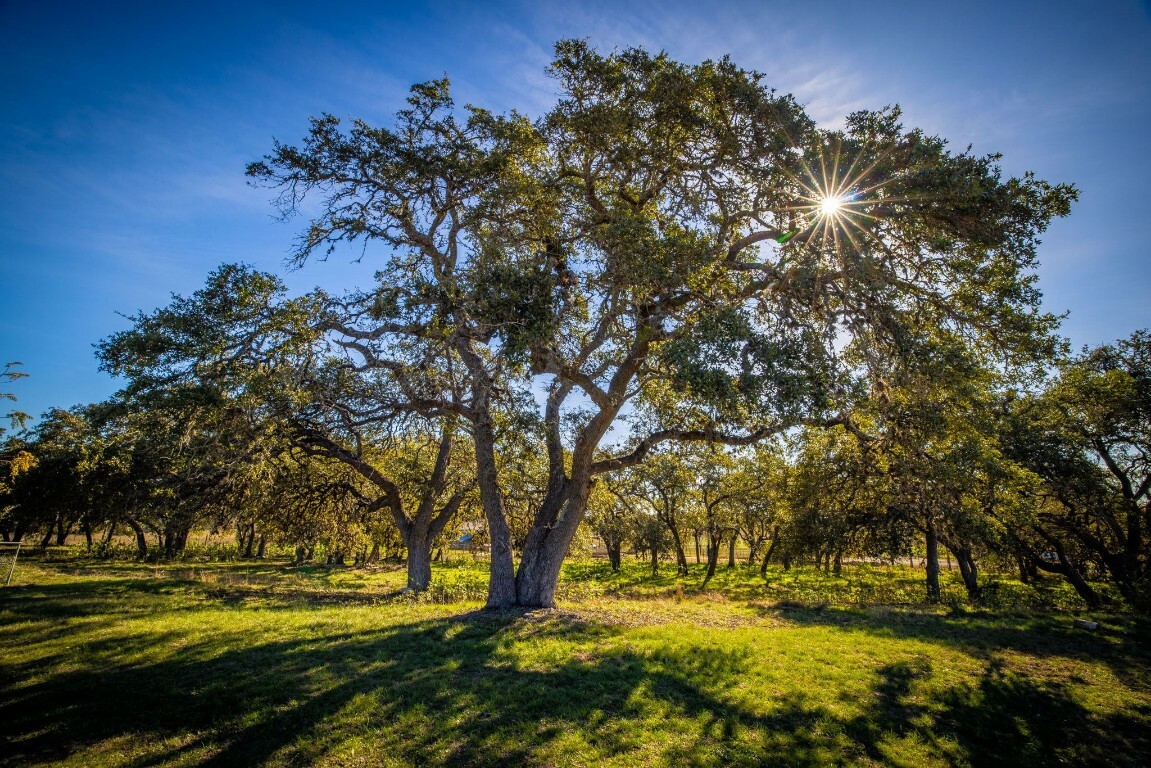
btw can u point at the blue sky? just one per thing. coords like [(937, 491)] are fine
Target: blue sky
[(125, 128)]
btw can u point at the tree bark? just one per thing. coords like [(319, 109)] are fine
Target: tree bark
[(967, 569), (713, 544), (419, 564), (933, 592), (545, 549), (613, 554), (141, 539), (502, 577), (770, 551), (63, 528), (668, 519), (1068, 569)]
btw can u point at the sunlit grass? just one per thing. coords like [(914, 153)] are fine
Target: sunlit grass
[(120, 664)]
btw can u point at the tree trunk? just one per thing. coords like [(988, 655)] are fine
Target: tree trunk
[(539, 571), (613, 554), (1025, 572), (770, 551), (933, 593), (677, 541), (261, 547), (63, 528), (374, 555), (502, 576), (1068, 569), (731, 551), (968, 570), (419, 564), (654, 560), (837, 564), (713, 545), (141, 539), (695, 535)]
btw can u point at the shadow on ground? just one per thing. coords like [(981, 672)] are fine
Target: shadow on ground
[(449, 692)]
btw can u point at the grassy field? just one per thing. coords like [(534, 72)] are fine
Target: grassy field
[(231, 664)]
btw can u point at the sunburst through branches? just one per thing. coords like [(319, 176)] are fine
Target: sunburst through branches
[(837, 198)]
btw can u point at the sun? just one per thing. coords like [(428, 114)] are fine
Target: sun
[(829, 206)]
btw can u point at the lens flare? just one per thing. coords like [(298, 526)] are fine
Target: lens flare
[(829, 206)]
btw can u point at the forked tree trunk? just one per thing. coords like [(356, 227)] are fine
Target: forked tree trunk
[(249, 542), (63, 528)]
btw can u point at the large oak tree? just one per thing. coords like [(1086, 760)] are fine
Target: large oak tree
[(674, 240)]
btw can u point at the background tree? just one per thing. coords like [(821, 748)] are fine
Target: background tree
[(1088, 437), (665, 487), (240, 344)]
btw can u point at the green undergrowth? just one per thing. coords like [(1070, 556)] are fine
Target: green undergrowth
[(249, 664)]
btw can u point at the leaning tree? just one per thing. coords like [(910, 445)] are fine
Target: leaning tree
[(674, 240)]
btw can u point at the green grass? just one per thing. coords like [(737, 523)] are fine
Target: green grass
[(201, 664)]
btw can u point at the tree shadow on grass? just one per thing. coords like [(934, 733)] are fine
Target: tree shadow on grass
[(476, 689), (1125, 651)]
